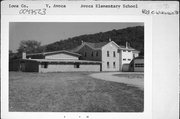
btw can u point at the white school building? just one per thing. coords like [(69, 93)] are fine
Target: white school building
[(112, 56), (103, 56)]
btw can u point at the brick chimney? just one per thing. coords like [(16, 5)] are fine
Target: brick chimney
[(24, 55), (127, 45), (82, 42)]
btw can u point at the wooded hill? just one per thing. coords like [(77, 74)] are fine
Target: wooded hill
[(133, 35)]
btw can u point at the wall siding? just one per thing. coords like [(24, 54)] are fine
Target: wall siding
[(14, 65), (111, 48), (70, 68), (88, 54), (25, 66), (31, 66), (138, 69), (126, 55)]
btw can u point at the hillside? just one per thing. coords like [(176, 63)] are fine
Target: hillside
[(133, 35)]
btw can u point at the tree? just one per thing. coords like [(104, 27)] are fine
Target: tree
[(132, 35), (11, 55), (29, 46)]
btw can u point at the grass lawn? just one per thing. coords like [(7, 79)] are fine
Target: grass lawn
[(70, 92)]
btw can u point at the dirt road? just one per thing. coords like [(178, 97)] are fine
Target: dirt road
[(120, 78)]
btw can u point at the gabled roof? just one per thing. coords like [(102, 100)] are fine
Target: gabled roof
[(63, 61), (139, 57), (96, 45), (126, 48), (75, 49), (101, 44), (54, 52)]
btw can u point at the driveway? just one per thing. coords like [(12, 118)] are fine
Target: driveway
[(116, 77)]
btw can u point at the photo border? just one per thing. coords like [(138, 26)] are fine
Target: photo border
[(147, 114)]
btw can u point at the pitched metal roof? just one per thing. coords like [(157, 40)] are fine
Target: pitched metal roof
[(75, 49), (126, 48), (55, 52), (101, 44), (63, 61), (90, 44), (96, 45)]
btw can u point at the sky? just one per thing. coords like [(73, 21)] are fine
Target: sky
[(49, 32)]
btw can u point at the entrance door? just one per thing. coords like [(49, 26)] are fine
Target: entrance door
[(22, 66)]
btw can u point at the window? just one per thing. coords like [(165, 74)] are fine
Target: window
[(124, 50), (97, 53), (139, 65), (76, 65), (85, 54), (124, 59), (92, 54), (129, 51), (107, 64), (44, 65), (114, 53), (114, 64), (107, 53)]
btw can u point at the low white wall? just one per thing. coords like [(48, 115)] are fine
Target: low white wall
[(69, 68), (61, 56)]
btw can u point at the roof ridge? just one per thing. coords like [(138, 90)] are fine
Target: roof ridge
[(44, 53), (96, 45), (96, 42)]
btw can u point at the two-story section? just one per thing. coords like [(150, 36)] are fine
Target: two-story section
[(127, 54), (110, 57), (91, 51), (106, 52)]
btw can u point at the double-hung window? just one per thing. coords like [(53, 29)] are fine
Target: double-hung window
[(107, 53)]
